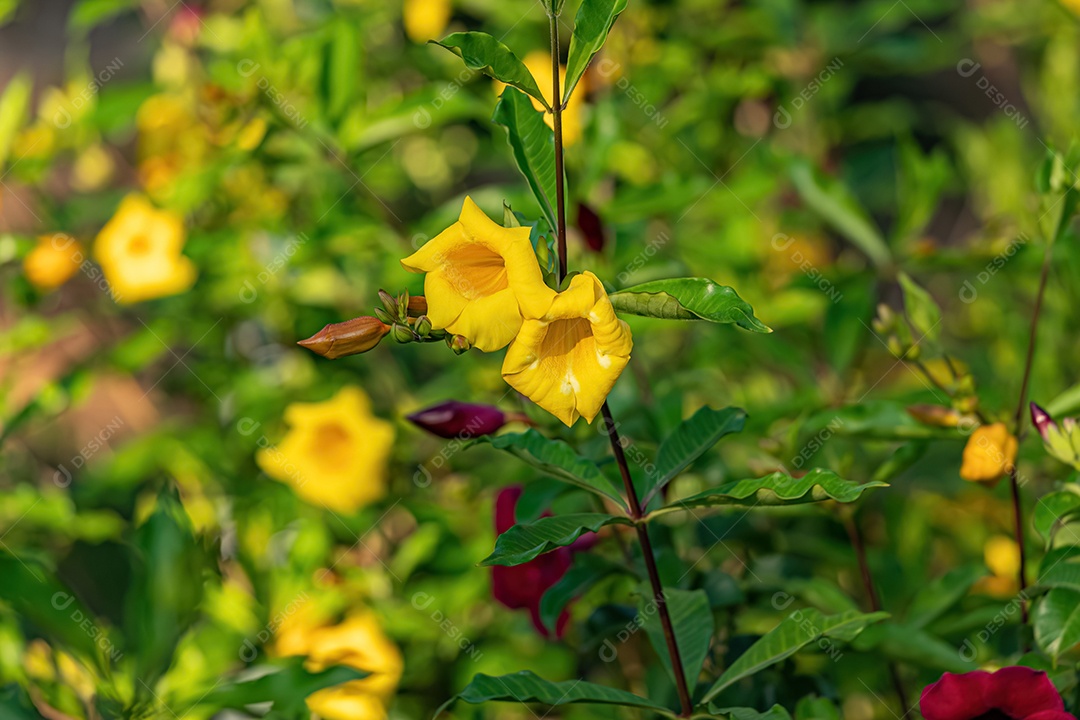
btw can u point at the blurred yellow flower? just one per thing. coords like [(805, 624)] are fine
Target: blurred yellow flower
[(1073, 5), (356, 642), (568, 359), (92, 169), (990, 453), (335, 453), (1002, 555), (139, 250), (53, 261), (539, 64), (426, 19), (481, 278)]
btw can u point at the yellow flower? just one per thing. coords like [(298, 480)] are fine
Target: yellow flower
[(426, 19), (1073, 5), (481, 278), (335, 452), (139, 250), (567, 360), (990, 453), (53, 261), (92, 169), (1002, 555), (539, 64), (356, 642)]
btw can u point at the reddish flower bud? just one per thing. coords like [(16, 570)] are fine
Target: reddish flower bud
[(1042, 421), (417, 306), (453, 419), (347, 338), (592, 227), (935, 415)]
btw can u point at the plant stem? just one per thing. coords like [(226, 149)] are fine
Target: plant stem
[(636, 513), (858, 544), (650, 563), (1018, 426), (556, 111)]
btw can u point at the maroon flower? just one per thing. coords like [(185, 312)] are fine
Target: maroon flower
[(453, 419), (1012, 693), (591, 227), (521, 586)]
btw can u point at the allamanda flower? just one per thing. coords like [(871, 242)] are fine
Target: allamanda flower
[(140, 252), (481, 279), (356, 642), (335, 452), (568, 359)]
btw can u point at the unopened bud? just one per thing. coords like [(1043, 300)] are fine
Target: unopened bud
[(417, 306), (347, 338), (423, 326), (591, 227), (453, 419), (1042, 421), (385, 316), (404, 334), (459, 344), (389, 303), (936, 415), (895, 347)]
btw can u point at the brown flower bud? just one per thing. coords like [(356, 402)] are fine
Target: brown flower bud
[(935, 415), (347, 338), (417, 306)]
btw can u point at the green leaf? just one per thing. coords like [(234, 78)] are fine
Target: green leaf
[(688, 299), (35, 594), (1057, 621), (485, 54), (555, 458), (912, 645), (1060, 575), (533, 144), (692, 620), (776, 712), (876, 419), (522, 542), (526, 686), (7, 10), (342, 67), (1054, 511), (688, 442), (166, 589), (902, 458), (921, 309), (935, 598), (815, 708), (832, 201), (794, 632), (88, 14), (777, 488), (585, 572), (591, 27), (13, 105), (286, 688)]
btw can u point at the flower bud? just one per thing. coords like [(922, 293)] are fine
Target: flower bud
[(389, 303), (459, 344), (417, 306), (1042, 422), (385, 316), (935, 415), (453, 419), (346, 338), (404, 334), (423, 326), (1061, 441), (591, 227)]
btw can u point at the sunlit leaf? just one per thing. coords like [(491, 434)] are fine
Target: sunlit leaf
[(533, 144), (1057, 621), (484, 53), (591, 27), (921, 309)]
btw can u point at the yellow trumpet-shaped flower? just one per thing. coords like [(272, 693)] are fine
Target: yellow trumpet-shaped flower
[(356, 642), (335, 452), (990, 453), (568, 359), (139, 250), (53, 261), (481, 279)]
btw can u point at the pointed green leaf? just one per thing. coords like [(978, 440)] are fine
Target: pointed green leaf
[(934, 599), (692, 620), (526, 686), (484, 53), (1057, 621), (687, 299), (921, 309), (831, 200), (1055, 510), (691, 440), (285, 687), (794, 632), (585, 572), (555, 458), (533, 144), (912, 645), (524, 541), (591, 27), (777, 489)]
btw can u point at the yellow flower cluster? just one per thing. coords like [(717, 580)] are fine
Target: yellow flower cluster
[(483, 282), (335, 452), (357, 642)]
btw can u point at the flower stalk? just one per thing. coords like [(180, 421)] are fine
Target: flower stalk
[(634, 504)]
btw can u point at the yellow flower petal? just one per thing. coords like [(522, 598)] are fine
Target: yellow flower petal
[(53, 261), (481, 278), (426, 19), (335, 453), (990, 453), (567, 360)]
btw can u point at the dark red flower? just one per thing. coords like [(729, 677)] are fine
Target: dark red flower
[(1012, 693), (453, 419), (520, 587), (591, 227)]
